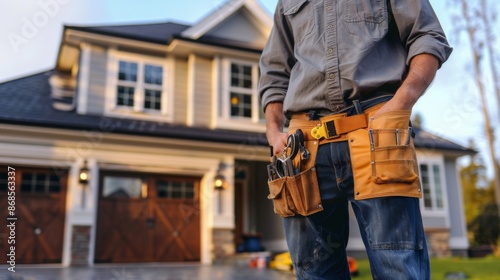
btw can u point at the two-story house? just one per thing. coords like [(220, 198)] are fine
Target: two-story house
[(146, 143)]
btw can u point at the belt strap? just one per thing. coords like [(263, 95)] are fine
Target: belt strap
[(333, 126)]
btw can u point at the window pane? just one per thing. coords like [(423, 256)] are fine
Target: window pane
[(127, 71), (241, 76), (152, 99), (424, 175), (125, 96), (128, 187), (153, 75), (241, 105), (40, 182), (438, 186), (26, 182), (3, 181), (174, 189), (55, 184)]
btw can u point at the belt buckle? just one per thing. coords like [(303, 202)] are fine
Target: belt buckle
[(325, 130)]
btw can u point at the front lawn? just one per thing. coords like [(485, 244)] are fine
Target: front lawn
[(477, 268)]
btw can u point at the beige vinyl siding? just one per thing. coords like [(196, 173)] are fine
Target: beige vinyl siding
[(240, 27), (180, 90), (202, 91), (97, 81)]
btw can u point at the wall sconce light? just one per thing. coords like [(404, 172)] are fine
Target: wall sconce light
[(219, 182), (84, 174)]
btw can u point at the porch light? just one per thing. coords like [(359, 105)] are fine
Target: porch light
[(219, 182), (84, 174)]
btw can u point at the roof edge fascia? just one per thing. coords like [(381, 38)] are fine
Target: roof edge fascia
[(225, 11)]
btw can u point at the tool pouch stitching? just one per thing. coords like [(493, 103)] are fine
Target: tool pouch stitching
[(384, 162), (298, 194), (393, 163)]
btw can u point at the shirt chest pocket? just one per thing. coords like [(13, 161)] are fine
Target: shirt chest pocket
[(363, 22), (373, 11), (300, 14)]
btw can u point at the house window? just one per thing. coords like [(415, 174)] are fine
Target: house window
[(432, 186), (240, 97), (241, 90), (139, 86)]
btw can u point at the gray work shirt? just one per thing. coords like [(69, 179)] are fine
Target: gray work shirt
[(322, 54)]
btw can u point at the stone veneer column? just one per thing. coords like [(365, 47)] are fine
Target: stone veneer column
[(223, 243), (438, 242), (80, 245)]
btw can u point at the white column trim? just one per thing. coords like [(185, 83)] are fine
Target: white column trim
[(191, 89), (459, 243), (83, 79)]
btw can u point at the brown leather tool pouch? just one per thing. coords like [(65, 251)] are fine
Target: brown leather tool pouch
[(383, 158), (298, 194)]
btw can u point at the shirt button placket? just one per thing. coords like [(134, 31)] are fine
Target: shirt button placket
[(331, 54)]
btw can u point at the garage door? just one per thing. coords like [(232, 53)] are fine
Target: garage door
[(40, 199), (147, 218)]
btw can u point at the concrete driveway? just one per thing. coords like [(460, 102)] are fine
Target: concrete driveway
[(143, 272)]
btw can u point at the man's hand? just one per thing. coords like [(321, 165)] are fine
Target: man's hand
[(422, 70), (275, 120)]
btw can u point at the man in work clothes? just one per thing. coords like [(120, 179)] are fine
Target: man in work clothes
[(321, 56)]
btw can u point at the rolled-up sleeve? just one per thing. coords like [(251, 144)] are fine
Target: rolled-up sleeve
[(419, 29), (276, 61)]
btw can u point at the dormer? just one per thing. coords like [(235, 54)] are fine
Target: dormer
[(204, 75)]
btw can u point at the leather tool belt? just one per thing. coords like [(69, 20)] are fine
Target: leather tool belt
[(382, 153)]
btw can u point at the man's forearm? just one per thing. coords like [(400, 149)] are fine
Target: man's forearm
[(275, 122), (422, 70), (275, 119)]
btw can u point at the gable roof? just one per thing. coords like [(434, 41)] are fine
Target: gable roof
[(159, 33), (215, 18), (27, 101), (208, 30), (428, 141)]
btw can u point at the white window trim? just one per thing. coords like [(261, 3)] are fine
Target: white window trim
[(138, 112), (434, 211), (223, 111)]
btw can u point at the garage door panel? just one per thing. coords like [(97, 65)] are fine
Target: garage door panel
[(40, 209), (157, 214), (182, 233), (120, 228)]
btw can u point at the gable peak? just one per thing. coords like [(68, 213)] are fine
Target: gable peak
[(225, 11)]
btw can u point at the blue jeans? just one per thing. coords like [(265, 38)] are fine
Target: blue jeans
[(391, 228)]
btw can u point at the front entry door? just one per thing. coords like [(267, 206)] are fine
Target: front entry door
[(148, 218)]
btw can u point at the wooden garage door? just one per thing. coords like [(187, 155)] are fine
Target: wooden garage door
[(148, 218), (40, 199)]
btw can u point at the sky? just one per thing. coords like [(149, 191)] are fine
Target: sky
[(31, 30)]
